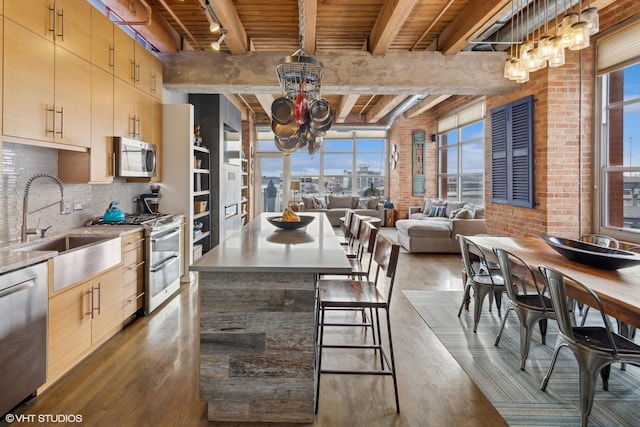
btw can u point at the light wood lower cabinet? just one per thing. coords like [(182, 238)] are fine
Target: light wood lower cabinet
[(81, 318), (133, 274)]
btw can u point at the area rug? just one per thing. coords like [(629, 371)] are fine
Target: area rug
[(514, 393)]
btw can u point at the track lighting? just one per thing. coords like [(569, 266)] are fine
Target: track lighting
[(213, 25), (218, 44)]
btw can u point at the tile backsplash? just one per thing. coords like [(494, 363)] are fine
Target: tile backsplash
[(21, 162)]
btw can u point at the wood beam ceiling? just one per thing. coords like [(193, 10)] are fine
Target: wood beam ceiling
[(390, 20)]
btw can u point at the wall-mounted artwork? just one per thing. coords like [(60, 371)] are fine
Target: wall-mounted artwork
[(419, 163)]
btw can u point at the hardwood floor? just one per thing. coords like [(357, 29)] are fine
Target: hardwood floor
[(147, 375)]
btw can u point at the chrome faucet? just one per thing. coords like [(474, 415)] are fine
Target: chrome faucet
[(25, 204)]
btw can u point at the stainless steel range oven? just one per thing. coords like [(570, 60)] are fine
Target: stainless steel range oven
[(163, 266), (162, 253)]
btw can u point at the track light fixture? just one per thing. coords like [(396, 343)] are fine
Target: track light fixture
[(218, 44), (214, 24)]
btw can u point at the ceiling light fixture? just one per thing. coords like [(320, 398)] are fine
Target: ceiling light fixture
[(217, 45), (531, 51), (214, 24)]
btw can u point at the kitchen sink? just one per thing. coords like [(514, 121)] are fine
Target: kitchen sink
[(63, 244), (79, 257)]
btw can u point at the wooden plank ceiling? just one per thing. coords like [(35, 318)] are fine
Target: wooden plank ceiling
[(373, 27)]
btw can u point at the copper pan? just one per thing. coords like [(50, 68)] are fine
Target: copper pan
[(284, 131)]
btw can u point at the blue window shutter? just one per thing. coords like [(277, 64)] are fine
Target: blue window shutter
[(512, 153)]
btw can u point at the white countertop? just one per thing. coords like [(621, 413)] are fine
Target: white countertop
[(262, 247)]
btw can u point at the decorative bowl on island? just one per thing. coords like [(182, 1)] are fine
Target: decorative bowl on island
[(593, 255), (291, 225)]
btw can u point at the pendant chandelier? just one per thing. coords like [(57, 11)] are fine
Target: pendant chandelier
[(531, 50)]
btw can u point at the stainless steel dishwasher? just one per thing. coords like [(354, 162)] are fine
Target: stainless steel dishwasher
[(23, 334)]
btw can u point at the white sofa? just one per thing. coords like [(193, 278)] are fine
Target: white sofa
[(437, 234), (336, 206)]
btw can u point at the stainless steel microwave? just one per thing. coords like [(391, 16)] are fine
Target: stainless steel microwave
[(134, 158)]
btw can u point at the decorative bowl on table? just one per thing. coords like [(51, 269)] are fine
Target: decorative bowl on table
[(291, 225), (592, 255)]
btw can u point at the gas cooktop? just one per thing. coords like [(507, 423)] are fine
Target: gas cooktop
[(130, 219)]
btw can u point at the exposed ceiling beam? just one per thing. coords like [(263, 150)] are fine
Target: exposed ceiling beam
[(346, 105), (395, 73), (475, 15), (391, 19), (236, 39), (383, 107), (424, 105), (310, 15), (159, 33)]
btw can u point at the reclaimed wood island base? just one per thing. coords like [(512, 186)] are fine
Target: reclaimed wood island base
[(258, 322)]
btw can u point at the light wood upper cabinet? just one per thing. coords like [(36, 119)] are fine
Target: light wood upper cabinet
[(72, 99), (156, 76), (125, 63), (28, 101), (144, 116), (67, 22), (38, 17), (157, 137), (124, 109), (73, 26), (32, 109), (101, 126), (96, 166), (102, 46)]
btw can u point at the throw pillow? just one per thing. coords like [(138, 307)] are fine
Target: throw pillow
[(464, 213), (454, 213), (362, 204), (372, 203), (479, 212), (308, 202), (437, 211), (426, 207), (452, 206), (319, 202)]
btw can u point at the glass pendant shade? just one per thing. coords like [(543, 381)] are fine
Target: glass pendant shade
[(566, 28), (523, 77), (545, 48), (579, 36), (557, 58), (590, 16)]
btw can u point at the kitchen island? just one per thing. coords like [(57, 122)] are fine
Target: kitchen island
[(258, 322)]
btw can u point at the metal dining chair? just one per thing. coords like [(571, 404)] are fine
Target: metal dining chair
[(481, 278), (362, 294), (531, 307), (594, 347)]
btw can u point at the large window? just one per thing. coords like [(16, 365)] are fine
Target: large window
[(348, 163), (461, 156), (619, 134)]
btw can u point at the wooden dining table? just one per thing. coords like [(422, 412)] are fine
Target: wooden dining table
[(619, 290)]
